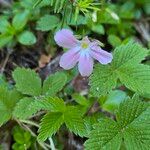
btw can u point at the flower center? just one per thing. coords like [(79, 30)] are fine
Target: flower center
[(84, 45)]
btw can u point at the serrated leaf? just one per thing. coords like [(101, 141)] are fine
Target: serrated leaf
[(54, 83), (8, 100), (131, 53), (90, 120), (103, 80), (130, 110), (105, 136), (132, 128), (136, 78), (51, 122), (27, 107), (27, 38), (125, 62), (27, 81), (55, 104), (74, 121), (21, 110), (47, 22)]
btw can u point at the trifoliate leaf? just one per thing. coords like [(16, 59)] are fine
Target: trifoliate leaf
[(47, 22), (74, 122), (54, 83), (50, 124), (27, 38), (103, 80), (27, 81), (132, 128)]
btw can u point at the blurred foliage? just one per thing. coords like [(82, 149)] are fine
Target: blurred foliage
[(22, 139), (115, 20)]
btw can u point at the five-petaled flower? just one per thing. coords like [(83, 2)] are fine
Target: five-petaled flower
[(82, 52)]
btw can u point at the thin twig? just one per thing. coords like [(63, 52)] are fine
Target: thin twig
[(5, 61), (21, 123)]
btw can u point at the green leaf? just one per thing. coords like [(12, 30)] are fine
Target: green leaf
[(92, 119), (27, 38), (8, 100), (106, 16), (132, 128), (20, 20), (47, 22), (27, 81), (114, 40), (80, 99), (22, 110), (51, 122), (55, 104), (74, 122), (103, 80), (146, 8), (133, 112), (81, 20), (54, 83), (113, 100), (136, 78), (98, 28), (127, 10), (5, 39), (4, 25), (105, 136), (131, 53), (27, 107), (126, 59)]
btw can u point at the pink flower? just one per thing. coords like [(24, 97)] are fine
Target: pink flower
[(82, 52)]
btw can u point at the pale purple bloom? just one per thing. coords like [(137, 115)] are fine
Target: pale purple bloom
[(82, 52)]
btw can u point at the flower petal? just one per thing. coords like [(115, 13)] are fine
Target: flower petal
[(65, 38), (85, 65), (69, 59), (102, 56)]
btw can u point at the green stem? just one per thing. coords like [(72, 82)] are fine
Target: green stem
[(37, 125), (30, 123), (52, 144)]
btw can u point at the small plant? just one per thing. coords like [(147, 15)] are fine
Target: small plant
[(75, 74)]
